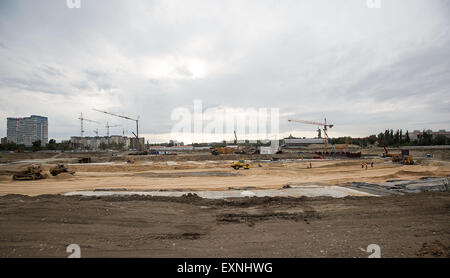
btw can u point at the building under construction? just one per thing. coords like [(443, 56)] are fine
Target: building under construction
[(95, 142)]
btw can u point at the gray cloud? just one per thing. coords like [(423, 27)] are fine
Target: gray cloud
[(364, 69)]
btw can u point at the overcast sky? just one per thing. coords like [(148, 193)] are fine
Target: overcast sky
[(365, 69)]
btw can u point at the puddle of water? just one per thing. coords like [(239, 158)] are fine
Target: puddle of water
[(331, 191), (171, 163), (196, 162)]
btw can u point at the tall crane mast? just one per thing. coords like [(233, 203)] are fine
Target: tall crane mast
[(108, 126), (126, 118), (82, 119), (324, 126)]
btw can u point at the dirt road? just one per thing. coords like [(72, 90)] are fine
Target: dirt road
[(403, 226)]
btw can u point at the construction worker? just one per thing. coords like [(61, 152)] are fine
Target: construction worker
[(371, 164), (310, 165)]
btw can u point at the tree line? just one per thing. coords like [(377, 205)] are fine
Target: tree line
[(396, 138), (36, 146)]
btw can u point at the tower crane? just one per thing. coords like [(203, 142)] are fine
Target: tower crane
[(126, 118), (108, 126), (82, 119), (324, 126)]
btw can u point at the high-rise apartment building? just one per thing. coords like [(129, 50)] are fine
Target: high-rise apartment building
[(27, 130)]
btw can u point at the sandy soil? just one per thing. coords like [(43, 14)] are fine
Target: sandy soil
[(413, 225), (213, 175), (36, 225)]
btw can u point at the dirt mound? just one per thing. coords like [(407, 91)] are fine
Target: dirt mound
[(412, 173), (62, 176), (5, 178), (434, 249)]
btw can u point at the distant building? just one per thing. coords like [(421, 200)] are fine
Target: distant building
[(134, 143), (267, 150), (416, 134), (25, 131), (94, 143), (176, 143), (300, 142)]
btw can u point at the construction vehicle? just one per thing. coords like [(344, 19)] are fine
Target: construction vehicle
[(33, 172), (60, 168), (408, 160), (238, 150), (84, 160), (404, 158), (226, 150), (243, 149), (380, 142), (240, 164)]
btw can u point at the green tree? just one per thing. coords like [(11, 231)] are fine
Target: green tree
[(52, 144), (440, 139), (426, 139), (36, 146)]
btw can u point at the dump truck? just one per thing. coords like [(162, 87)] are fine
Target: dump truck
[(84, 160), (217, 151), (240, 164), (60, 168), (33, 172)]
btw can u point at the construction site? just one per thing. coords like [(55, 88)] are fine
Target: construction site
[(317, 200), (222, 130)]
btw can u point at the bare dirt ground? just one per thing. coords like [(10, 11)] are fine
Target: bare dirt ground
[(413, 225), (214, 175), (37, 225)]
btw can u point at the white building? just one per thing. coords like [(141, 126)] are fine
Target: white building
[(416, 134), (94, 143), (300, 142), (25, 131)]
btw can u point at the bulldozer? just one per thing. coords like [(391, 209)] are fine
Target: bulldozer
[(60, 168), (404, 158), (240, 164), (33, 172)]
